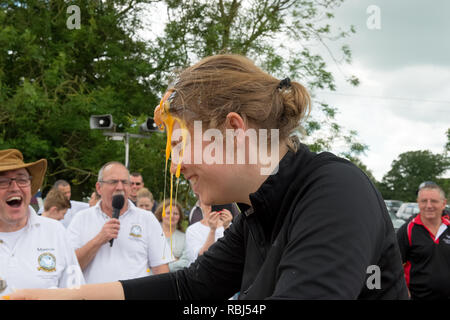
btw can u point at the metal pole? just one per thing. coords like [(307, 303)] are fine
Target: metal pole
[(127, 149), (126, 139)]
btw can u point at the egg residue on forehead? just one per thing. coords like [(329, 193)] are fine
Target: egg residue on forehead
[(164, 119)]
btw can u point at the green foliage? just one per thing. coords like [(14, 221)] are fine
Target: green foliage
[(276, 34), (409, 170), (53, 79), (447, 145), (253, 28)]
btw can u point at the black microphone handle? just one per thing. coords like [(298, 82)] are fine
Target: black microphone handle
[(115, 215)]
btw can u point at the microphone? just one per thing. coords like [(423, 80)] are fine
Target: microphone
[(117, 203)]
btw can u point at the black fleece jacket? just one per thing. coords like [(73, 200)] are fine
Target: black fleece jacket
[(317, 229)]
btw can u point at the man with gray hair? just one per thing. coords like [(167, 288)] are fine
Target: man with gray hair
[(425, 246), (139, 240)]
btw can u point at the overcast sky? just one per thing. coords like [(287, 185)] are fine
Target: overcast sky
[(402, 60), (403, 101)]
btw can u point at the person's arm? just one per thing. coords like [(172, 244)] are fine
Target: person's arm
[(216, 274), (213, 222), (98, 291), (72, 276), (402, 240), (158, 253), (403, 244), (180, 263), (183, 260), (164, 268), (86, 253), (208, 242)]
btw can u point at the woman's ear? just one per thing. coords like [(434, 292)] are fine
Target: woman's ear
[(236, 125), (234, 121)]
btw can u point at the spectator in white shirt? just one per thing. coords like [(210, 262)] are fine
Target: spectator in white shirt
[(138, 238), (34, 251), (75, 206), (55, 205), (202, 234)]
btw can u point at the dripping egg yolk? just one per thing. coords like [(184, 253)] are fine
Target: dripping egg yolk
[(165, 120)]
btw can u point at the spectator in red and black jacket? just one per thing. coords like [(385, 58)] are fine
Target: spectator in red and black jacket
[(425, 247)]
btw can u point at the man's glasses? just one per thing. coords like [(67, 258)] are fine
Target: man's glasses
[(115, 182), (20, 181)]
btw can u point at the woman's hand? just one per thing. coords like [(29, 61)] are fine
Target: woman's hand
[(214, 220), (225, 218)]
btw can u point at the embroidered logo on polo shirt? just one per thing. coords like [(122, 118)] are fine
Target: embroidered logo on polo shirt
[(136, 231), (47, 262)]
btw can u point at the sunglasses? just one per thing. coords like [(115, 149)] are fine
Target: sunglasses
[(427, 184)]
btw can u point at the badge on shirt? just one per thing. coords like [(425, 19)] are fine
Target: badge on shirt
[(47, 262), (136, 231)]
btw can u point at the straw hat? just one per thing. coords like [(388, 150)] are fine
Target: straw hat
[(12, 159)]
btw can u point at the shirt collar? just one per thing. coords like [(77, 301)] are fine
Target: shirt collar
[(33, 218), (418, 220)]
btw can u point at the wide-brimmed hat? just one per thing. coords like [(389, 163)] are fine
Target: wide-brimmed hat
[(12, 159)]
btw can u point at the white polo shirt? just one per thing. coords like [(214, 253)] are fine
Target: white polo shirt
[(38, 256), (139, 245), (196, 235), (75, 206)]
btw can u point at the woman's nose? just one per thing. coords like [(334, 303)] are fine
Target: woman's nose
[(174, 166)]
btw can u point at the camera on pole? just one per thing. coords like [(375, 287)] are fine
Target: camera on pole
[(149, 126), (102, 122)]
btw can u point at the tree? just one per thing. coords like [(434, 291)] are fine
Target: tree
[(447, 145), (409, 170), (53, 78), (278, 35), (445, 182)]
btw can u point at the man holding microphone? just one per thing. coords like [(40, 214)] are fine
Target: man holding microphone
[(138, 238)]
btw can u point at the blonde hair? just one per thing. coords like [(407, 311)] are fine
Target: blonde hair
[(56, 198), (144, 193), (227, 83), (166, 203)]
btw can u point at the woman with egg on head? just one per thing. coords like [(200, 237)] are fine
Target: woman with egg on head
[(310, 226)]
